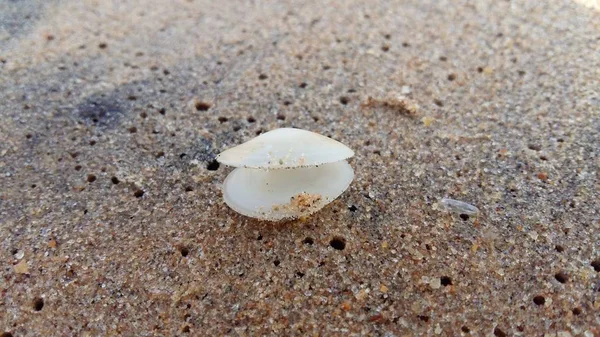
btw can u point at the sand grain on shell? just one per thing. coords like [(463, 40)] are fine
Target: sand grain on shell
[(300, 205)]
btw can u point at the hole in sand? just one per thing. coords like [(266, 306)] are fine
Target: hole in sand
[(499, 333), (424, 318), (338, 243), (561, 277), (213, 165), (202, 106), (38, 303), (596, 265), (184, 251)]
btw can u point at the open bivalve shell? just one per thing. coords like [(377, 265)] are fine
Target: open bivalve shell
[(285, 174)]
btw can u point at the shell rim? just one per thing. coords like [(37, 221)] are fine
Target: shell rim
[(282, 167)]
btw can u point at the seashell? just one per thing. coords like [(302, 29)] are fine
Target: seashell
[(285, 174), (457, 206), (285, 148)]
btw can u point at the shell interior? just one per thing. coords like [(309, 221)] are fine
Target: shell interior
[(285, 148), (285, 194)]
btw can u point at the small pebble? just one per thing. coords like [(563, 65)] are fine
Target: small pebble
[(346, 306), (427, 120), (362, 294), (19, 255), (21, 267), (534, 235), (459, 207)]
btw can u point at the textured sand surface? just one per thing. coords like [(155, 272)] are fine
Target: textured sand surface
[(111, 215)]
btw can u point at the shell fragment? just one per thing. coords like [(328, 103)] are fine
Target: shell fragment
[(457, 206)]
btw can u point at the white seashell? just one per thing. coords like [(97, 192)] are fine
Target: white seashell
[(281, 194), (285, 174), (285, 148)]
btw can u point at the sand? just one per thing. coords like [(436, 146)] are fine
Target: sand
[(111, 213)]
